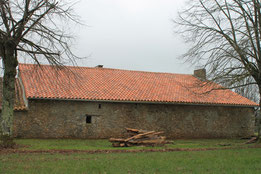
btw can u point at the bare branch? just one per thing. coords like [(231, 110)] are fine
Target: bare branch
[(225, 37)]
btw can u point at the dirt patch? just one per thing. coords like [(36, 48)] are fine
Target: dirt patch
[(9, 151), (15, 147)]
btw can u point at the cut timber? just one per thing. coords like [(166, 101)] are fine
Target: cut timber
[(140, 138), (252, 140), (136, 131)]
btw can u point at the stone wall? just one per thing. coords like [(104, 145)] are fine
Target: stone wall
[(67, 119)]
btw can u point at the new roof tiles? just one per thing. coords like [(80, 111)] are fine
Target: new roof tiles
[(85, 83)]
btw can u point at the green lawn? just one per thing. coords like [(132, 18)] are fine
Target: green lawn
[(221, 161), (47, 144), (215, 161)]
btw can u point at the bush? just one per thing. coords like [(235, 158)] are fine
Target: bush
[(6, 141)]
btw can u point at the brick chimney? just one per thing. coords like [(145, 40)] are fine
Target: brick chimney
[(99, 66), (201, 74)]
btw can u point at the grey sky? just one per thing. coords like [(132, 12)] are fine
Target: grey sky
[(130, 34)]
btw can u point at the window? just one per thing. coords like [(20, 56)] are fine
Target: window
[(88, 119), (99, 106)]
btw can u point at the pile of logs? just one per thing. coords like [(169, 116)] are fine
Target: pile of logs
[(252, 140), (140, 138)]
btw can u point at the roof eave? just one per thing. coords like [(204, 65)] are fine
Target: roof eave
[(147, 102)]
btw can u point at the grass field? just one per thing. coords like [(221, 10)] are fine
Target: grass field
[(215, 161), (47, 144)]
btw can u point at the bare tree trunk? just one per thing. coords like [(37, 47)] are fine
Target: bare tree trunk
[(10, 63), (19, 20), (258, 120)]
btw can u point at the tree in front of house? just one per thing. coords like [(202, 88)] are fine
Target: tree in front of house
[(31, 28), (226, 37)]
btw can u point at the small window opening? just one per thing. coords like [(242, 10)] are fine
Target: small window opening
[(99, 106), (88, 119)]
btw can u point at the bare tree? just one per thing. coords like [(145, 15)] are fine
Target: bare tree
[(225, 36), (33, 28), (250, 91)]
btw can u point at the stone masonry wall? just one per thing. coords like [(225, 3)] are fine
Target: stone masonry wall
[(67, 119)]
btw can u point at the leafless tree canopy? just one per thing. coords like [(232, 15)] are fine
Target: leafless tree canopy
[(34, 26), (35, 29), (225, 37), (249, 91)]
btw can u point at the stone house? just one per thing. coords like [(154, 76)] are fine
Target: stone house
[(84, 102)]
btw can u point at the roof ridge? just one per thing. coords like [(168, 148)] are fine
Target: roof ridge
[(116, 69)]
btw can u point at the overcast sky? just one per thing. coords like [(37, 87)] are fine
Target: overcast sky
[(130, 34)]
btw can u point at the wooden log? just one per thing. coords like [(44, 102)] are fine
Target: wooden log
[(158, 133), (145, 136), (136, 131), (122, 144), (116, 144), (139, 131), (139, 136), (130, 144), (155, 135), (155, 141), (252, 140)]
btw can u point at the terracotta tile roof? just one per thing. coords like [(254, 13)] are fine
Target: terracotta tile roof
[(19, 101), (48, 82)]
